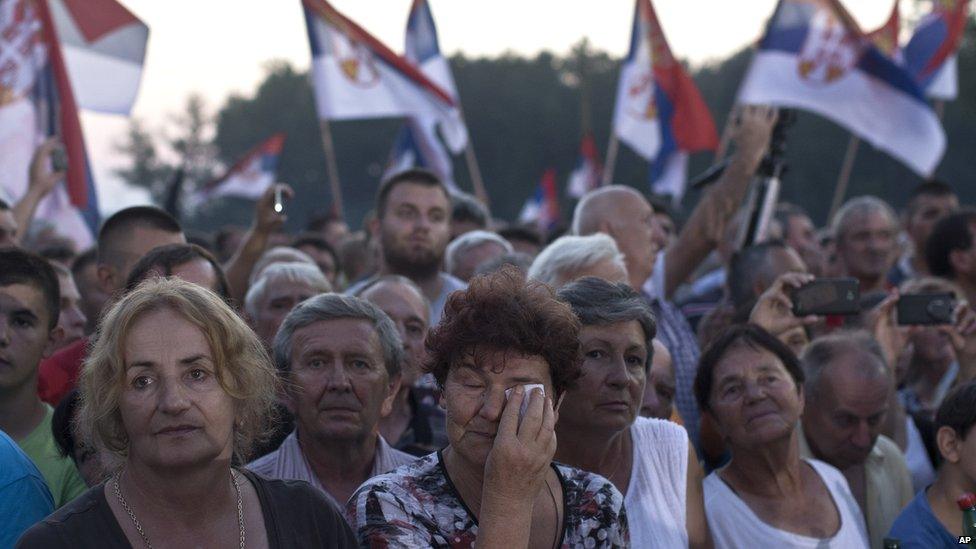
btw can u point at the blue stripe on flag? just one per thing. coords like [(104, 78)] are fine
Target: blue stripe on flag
[(877, 65), (423, 33), (665, 115)]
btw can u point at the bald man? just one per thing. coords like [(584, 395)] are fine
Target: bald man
[(624, 214)]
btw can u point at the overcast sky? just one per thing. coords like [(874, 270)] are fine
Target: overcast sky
[(219, 47)]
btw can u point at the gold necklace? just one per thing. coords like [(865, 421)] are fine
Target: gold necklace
[(138, 525)]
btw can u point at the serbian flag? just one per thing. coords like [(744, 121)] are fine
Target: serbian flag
[(543, 207), (356, 76), (586, 175), (57, 56), (423, 50), (250, 176), (412, 151), (813, 56), (659, 112), (930, 55)]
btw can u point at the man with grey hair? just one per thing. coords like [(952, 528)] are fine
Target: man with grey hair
[(571, 257), (624, 214), (465, 253), (865, 230), (416, 423), (846, 394), (279, 288), (340, 357)]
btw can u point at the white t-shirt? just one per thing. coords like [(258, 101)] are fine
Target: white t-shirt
[(734, 525), (656, 498)]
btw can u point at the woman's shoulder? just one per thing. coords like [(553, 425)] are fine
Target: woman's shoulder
[(301, 513), (79, 523), (659, 431), (409, 481), (584, 486)]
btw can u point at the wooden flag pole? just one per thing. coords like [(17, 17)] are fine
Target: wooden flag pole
[(473, 170), (611, 159), (332, 168), (840, 191)]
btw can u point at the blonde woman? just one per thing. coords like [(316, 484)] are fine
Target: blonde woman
[(175, 388)]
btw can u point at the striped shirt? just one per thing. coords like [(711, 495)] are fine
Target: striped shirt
[(675, 333), (288, 463)]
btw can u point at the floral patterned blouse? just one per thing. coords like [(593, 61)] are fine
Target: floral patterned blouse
[(417, 505)]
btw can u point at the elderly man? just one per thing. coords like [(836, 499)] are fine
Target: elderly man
[(659, 388), (412, 224), (275, 293), (341, 358), (624, 214), (865, 229), (416, 423), (800, 234), (929, 202), (846, 398), (571, 257), (470, 250)]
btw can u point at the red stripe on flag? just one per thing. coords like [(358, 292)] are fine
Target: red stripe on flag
[(271, 145), (71, 134), (96, 18), (348, 27), (956, 21)]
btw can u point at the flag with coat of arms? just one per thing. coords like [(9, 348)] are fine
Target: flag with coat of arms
[(659, 112), (355, 76), (930, 55), (250, 176), (57, 56), (813, 56)]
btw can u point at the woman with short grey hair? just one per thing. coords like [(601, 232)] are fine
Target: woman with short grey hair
[(571, 257), (648, 459)]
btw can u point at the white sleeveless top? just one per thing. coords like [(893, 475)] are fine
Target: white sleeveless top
[(656, 496), (734, 525)]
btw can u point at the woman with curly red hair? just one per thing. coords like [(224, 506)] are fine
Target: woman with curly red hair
[(495, 483)]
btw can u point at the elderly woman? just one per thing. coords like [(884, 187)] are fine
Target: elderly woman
[(495, 484), (599, 430), (749, 383), (175, 388)]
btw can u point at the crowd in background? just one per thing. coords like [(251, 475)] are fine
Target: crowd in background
[(441, 378)]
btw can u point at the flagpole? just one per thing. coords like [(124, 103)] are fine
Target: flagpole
[(845, 175), (611, 159), (939, 108), (332, 167)]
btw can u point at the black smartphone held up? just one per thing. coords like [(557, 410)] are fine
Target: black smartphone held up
[(827, 296), (925, 309)]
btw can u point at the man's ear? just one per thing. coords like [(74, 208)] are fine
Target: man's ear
[(394, 390), (947, 442), (107, 278), (54, 338), (374, 228)]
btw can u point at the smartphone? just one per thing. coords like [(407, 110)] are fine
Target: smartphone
[(525, 398), (827, 296), (279, 204), (59, 159), (925, 309)]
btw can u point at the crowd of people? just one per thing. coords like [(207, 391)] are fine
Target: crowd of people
[(441, 379)]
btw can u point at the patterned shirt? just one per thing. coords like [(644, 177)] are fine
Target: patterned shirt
[(675, 333), (418, 506), (288, 463)]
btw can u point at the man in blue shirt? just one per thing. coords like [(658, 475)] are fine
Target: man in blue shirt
[(933, 519), (24, 497)]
